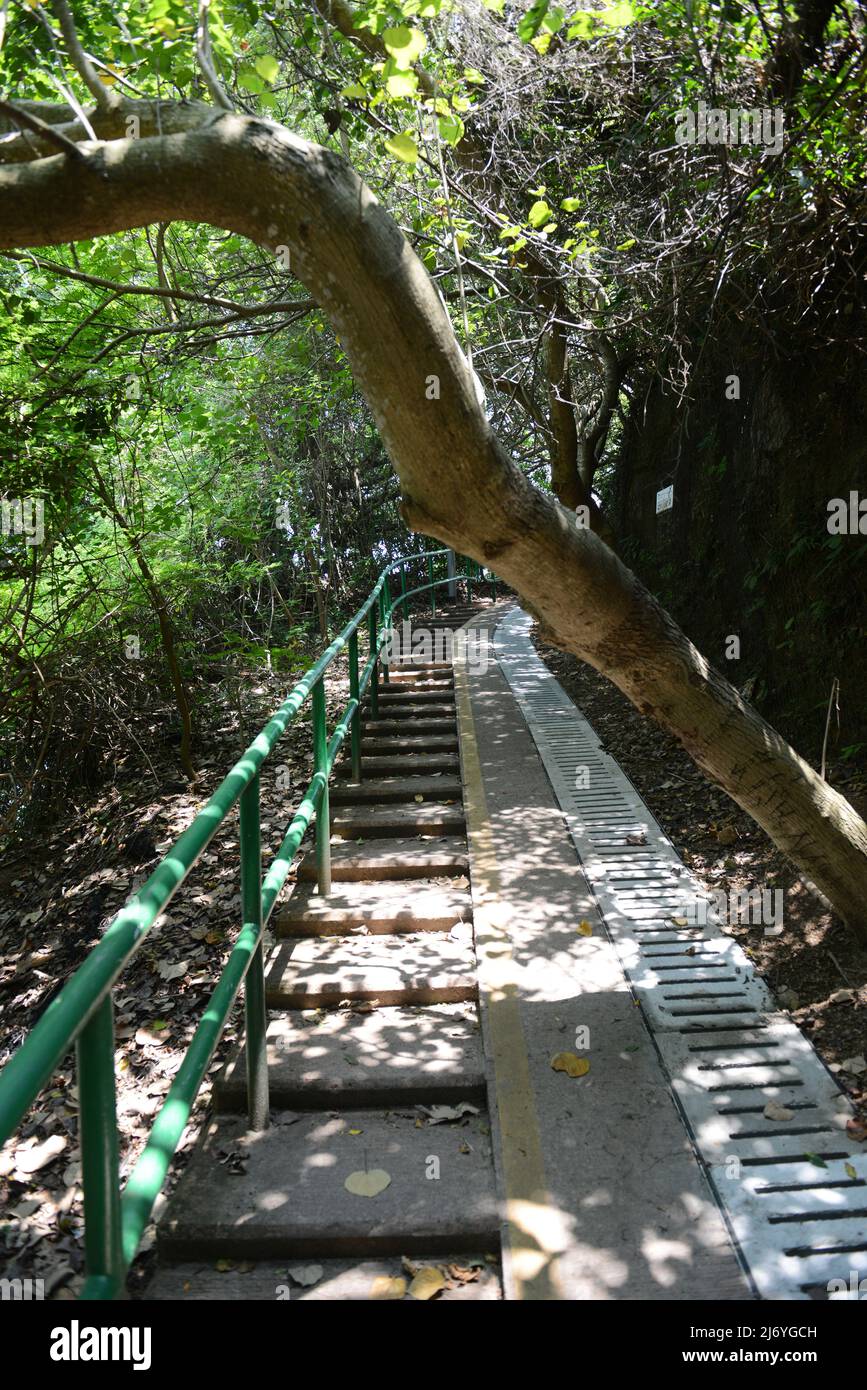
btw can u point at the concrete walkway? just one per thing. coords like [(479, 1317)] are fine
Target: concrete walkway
[(601, 1194)]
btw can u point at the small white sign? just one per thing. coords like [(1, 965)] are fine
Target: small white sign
[(665, 499)]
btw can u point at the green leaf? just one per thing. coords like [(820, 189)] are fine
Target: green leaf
[(354, 92), (403, 147), (627, 245), (531, 23), (540, 213), (401, 84), (250, 81), (405, 45), (267, 67), (570, 204), (451, 129)]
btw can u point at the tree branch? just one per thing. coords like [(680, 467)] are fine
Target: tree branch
[(106, 99)]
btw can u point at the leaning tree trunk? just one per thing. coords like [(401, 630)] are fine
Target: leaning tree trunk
[(458, 483)]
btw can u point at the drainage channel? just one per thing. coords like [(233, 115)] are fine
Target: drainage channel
[(794, 1191)]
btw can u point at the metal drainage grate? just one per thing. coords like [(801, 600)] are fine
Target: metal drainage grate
[(796, 1199)]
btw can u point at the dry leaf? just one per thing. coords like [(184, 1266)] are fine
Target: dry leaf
[(775, 1111), (856, 1128), (442, 1114), (305, 1275), (31, 1160), (851, 1170), (461, 1274), (427, 1284), (383, 1287), (368, 1184), (571, 1063), (585, 928), (854, 1065)]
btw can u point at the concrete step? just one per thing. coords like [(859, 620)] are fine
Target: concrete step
[(407, 675), (402, 765), (322, 971), (408, 663), (403, 707), (375, 789), (383, 727), (289, 1197), (406, 686), (421, 1055), (343, 1281), (381, 907), (398, 818), (393, 695), (409, 742)]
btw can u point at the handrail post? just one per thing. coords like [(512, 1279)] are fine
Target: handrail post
[(374, 675), (254, 981), (323, 815), (355, 729), (99, 1153), (403, 591), (384, 605), (433, 592)]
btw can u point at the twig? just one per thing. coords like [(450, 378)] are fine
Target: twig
[(205, 60), (834, 700), (105, 98), (27, 121)]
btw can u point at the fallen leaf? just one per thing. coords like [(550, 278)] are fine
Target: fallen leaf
[(368, 1184), (680, 921), (383, 1287), (727, 835), (305, 1275), (856, 1128), (639, 838), (816, 1161), (854, 1065), (356, 1131), (32, 1160), (443, 1114), (585, 928), (427, 1284), (775, 1111), (224, 1266), (462, 1274), (851, 1170), (571, 1063)]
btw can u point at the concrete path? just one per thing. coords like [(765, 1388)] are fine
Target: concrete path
[(601, 1195)]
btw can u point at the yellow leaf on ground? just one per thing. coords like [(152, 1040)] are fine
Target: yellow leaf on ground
[(368, 1184), (585, 928), (383, 1287), (571, 1063), (427, 1283)]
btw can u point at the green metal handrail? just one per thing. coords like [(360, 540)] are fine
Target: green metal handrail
[(83, 1011)]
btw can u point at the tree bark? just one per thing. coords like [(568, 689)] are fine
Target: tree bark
[(258, 180)]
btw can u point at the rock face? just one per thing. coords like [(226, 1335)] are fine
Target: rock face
[(745, 549)]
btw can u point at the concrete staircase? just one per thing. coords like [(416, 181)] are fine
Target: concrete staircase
[(374, 1020)]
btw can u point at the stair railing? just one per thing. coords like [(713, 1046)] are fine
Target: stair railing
[(82, 1014)]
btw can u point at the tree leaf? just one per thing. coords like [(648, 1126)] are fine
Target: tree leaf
[(368, 1184), (403, 147), (404, 44), (570, 1063)]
